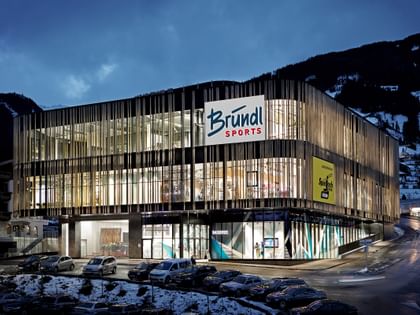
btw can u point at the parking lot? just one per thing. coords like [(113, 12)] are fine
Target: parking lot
[(196, 281)]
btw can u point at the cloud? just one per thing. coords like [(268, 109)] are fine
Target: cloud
[(105, 71), (75, 87)]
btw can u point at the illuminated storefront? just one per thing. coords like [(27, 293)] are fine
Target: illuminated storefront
[(258, 170)]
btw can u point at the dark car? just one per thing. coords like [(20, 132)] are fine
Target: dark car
[(294, 296), (260, 291), (156, 311), (98, 308), (30, 264), (325, 307), (22, 306), (54, 303), (6, 298), (194, 276), (141, 271), (123, 309), (212, 282)]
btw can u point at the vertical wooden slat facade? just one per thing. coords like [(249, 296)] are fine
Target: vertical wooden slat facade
[(143, 155)]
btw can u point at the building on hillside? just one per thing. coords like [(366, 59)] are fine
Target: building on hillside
[(266, 169)]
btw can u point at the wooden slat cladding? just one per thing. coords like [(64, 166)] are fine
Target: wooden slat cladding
[(145, 154)]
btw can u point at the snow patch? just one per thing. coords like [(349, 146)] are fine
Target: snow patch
[(10, 109), (125, 292), (310, 77), (340, 81), (415, 47)]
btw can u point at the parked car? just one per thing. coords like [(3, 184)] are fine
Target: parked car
[(260, 291), (30, 264), (213, 281), (22, 306), (123, 309), (52, 304), (193, 277), (239, 285), (90, 308), (141, 271), (155, 311), (325, 307), (100, 265), (57, 263), (167, 269), (6, 298), (294, 296)]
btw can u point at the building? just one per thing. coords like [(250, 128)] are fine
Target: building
[(265, 169)]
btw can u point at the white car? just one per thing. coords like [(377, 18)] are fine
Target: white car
[(100, 265), (167, 269), (239, 285)]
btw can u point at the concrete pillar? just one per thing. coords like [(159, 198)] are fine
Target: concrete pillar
[(135, 249), (74, 239)]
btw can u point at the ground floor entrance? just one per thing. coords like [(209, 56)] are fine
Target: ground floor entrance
[(221, 235)]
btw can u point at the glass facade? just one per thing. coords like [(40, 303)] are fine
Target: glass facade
[(146, 156)]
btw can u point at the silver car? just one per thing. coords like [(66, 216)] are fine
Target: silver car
[(90, 308), (100, 265), (57, 263), (240, 285)]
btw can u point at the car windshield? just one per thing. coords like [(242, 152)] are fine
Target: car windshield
[(271, 283), (289, 290), (30, 259), (141, 266), (95, 261), (52, 258), (240, 279), (222, 274), (165, 265)]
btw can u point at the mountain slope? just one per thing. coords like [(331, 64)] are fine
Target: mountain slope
[(379, 77), (12, 105)]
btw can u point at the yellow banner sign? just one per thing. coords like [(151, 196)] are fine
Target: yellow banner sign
[(323, 181)]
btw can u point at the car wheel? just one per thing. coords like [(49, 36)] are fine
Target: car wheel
[(71, 267), (114, 270)]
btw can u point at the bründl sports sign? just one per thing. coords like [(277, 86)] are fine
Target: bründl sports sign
[(235, 120)]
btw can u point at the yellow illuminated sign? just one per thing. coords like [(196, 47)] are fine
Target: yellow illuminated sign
[(323, 181)]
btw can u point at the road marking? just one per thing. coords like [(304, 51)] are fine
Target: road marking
[(349, 280)]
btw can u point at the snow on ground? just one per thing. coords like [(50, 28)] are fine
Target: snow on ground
[(133, 293)]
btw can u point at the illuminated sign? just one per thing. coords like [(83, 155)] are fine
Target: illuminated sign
[(323, 181), (220, 232), (235, 120)]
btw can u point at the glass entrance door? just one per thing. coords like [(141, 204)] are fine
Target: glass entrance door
[(147, 248)]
